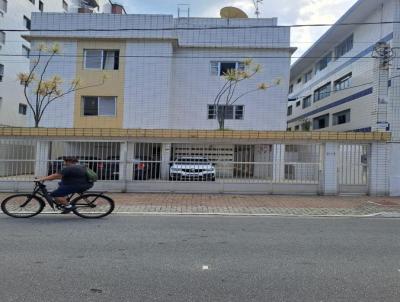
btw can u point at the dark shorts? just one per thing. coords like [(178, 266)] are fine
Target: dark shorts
[(65, 190)]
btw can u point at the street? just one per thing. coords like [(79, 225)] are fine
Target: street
[(168, 258)]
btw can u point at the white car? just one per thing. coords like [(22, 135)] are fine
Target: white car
[(192, 168)]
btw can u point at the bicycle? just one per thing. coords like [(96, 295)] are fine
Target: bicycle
[(86, 205)]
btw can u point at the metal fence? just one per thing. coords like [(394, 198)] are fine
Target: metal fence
[(156, 162)]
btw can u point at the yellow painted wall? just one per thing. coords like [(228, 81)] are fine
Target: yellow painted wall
[(113, 86)]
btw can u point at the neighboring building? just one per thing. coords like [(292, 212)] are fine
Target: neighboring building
[(166, 75), (340, 84), (16, 14)]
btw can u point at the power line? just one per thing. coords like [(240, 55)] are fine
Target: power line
[(200, 28), (192, 57)]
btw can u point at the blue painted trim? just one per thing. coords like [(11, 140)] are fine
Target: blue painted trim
[(344, 65), (367, 129), (337, 103)]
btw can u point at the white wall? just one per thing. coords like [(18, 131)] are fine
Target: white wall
[(362, 69)]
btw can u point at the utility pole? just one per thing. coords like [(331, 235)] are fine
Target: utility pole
[(383, 55)]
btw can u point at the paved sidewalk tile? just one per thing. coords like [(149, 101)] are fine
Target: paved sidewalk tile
[(165, 203)]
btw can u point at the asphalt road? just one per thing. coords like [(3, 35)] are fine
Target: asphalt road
[(158, 258)]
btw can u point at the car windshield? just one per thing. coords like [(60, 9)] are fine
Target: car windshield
[(192, 160)]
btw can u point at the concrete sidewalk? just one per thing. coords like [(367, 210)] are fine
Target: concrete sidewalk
[(256, 204), (214, 204)]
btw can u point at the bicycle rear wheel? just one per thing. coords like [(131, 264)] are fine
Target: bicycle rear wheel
[(93, 206), (22, 206)]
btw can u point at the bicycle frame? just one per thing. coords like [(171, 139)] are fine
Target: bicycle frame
[(41, 190)]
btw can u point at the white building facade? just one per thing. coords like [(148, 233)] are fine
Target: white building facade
[(349, 80), (169, 70), (334, 84), (14, 50)]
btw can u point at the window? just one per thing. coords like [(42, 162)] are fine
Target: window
[(25, 51), (27, 22), (306, 126), (231, 112), (221, 68), (296, 128), (323, 63), (290, 110), (344, 47), (343, 83), (22, 109), (41, 6), (33, 1), (298, 103), (239, 112), (321, 122), (2, 37), (65, 5), (291, 88), (99, 106), (3, 5), (289, 172), (341, 117), (101, 59), (322, 92), (307, 102), (298, 80), (289, 129), (1, 72), (307, 76)]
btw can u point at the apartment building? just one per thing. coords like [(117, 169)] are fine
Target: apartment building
[(15, 50), (166, 72), (340, 83)]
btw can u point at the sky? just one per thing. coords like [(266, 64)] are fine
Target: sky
[(287, 11)]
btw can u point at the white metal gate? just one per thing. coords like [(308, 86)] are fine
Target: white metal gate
[(353, 168)]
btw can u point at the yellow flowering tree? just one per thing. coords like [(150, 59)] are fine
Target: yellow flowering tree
[(227, 95), (40, 89)]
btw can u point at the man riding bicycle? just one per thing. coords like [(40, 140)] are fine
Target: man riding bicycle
[(73, 180)]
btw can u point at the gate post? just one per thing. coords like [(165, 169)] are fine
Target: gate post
[(330, 170), (42, 158), (278, 157), (165, 160), (378, 160)]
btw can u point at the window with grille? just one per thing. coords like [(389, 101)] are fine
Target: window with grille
[(230, 112), (344, 47), (2, 37), (25, 51), (298, 103), (343, 83), (101, 59), (307, 76), (322, 92), (221, 68), (22, 109), (27, 22), (321, 122), (290, 110), (341, 117), (307, 102), (1, 72), (323, 63), (99, 106), (3, 5)]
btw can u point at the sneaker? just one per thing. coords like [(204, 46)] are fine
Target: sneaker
[(67, 209)]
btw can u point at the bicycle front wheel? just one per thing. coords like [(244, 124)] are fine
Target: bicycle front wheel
[(93, 206), (22, 206)]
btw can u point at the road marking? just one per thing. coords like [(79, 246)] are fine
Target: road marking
[(205, 267)]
